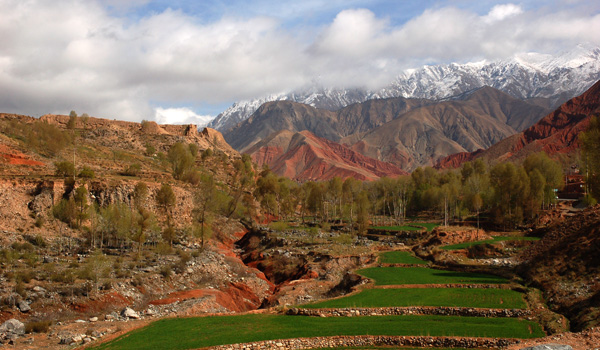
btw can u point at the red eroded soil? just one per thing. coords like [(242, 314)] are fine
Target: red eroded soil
[(308, 157), (12, 156), (237, 297), (106, 301)]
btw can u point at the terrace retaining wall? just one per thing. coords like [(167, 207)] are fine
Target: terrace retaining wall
[(410, 310), (349, 341)]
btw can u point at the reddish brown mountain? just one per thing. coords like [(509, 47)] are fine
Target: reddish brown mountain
[(556, 133), (304, 156), (405, 132)]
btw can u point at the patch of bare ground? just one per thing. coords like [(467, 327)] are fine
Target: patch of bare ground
[(588, 339)]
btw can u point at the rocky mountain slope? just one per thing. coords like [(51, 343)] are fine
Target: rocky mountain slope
[(555, 133), (303, 156), (405, 132), (565, 265), (423, 135), (542, 79)]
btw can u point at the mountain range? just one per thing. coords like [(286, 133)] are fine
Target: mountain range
[(558, 132), (541, 79), (402, 131)]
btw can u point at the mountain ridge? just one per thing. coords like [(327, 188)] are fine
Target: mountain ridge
[(302, 156), (557, 132), (405, 132), (548, 80)]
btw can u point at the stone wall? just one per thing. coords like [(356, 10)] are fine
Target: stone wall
[(349, 341), (410, 310)]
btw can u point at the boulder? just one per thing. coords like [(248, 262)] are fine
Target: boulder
[(13, 326), (129, 313), (549, 347), (23, 306)]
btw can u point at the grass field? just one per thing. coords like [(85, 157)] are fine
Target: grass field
[(459, 297), (399, 257), (491, 241), (422, 275), (427, 225), (190, 333)]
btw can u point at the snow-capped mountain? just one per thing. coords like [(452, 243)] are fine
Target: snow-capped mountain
[(525, 76)]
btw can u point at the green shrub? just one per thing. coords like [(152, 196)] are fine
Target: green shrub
[(343, 239), (37, 326), (86, 173), (39, 222), (150, 150), (37, 240), (137, 281), (65, 211), (279, 226), (64, 169), (46, 139), (589, 201), (132, 170), (166, 271), (23, 247), (20, 289), (163, 248), (25, 275)]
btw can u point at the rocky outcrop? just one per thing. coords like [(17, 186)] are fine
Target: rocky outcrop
[(11, 330), (453, 235), (549, 347), (130, 313), (565, 265)]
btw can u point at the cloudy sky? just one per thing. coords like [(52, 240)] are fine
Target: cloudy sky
[(180, 61)]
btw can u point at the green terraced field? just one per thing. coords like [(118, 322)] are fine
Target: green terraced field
[(399, 257), (423, 275), (190, 333), (459, 297), (491, 241)]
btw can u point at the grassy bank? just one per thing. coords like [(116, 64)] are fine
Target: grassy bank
[(422, 275), (190, 333), (457, 297), (400, 257)]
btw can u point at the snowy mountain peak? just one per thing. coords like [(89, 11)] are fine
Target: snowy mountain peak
[(527, 75)]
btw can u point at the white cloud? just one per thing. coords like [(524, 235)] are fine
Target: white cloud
[(181, 116), (57, 56), (501, 12)]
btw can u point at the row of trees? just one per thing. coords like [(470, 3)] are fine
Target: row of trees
[(510, 192)]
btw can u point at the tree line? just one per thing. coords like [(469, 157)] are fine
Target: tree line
[(511, 193)]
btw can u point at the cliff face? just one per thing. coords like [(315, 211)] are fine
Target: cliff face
[(304, 156), (556, 133)]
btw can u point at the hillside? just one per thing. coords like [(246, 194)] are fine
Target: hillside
[(303, 156), (565, 265), (556, 133)]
